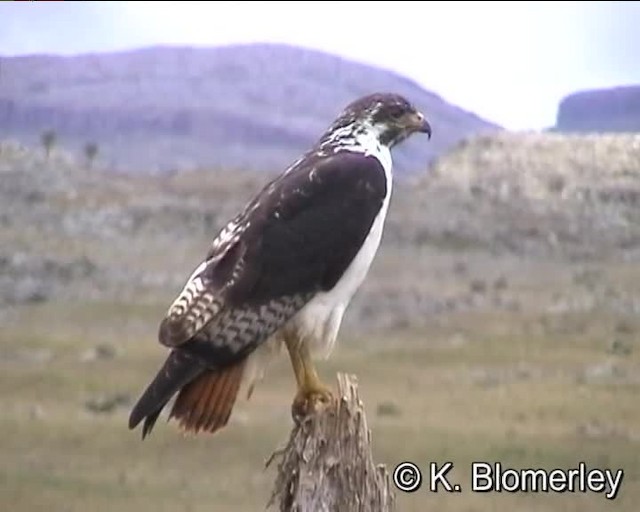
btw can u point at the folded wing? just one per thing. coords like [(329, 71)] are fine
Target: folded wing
[(295, 239)]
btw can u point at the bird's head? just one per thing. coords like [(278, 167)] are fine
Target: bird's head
[(389, 116)]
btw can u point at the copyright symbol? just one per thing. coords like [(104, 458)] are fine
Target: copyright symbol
[(407, 477)]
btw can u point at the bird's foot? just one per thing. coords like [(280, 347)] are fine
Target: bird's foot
[(311, 399)]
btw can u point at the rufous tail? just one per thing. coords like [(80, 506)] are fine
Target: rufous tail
[(205, 404)]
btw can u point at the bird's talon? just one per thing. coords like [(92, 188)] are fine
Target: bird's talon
[(307, 403)]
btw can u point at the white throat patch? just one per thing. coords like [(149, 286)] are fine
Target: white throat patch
[(363, 139)]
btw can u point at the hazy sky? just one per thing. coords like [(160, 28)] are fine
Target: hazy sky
[(509, 62)]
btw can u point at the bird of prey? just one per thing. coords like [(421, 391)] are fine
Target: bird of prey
[(282, 272)]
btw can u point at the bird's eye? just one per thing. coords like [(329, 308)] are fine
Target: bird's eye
[(396, 111)]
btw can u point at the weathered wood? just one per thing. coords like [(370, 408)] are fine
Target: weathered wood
[(327, 464)]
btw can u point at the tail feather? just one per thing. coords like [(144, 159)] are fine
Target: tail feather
[(210, 399), (219, 415), (206, 402), (149, 422), (179, 369), (206, 387)]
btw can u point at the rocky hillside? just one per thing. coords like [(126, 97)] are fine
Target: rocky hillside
[(602, 110), (248, 106), (573, 197), (542, 222)]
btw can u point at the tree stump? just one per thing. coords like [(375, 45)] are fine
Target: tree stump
[(327, 464)]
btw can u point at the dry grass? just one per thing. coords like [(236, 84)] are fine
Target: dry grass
[(473, 387), (550, 382), (542, 165)]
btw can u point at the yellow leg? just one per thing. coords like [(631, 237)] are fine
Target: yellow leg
[(312, 392)]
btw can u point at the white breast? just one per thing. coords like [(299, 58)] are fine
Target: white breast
[(319, 321)]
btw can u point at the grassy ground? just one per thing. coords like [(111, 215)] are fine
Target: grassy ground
[(517, 344), (524, 391)]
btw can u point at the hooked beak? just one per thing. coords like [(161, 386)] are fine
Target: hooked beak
[(423, 125), (418, 123)]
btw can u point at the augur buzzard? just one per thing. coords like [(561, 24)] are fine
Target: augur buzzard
[(282, 271)]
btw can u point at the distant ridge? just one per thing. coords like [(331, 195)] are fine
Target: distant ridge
[(615, 109), (250, 106)]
